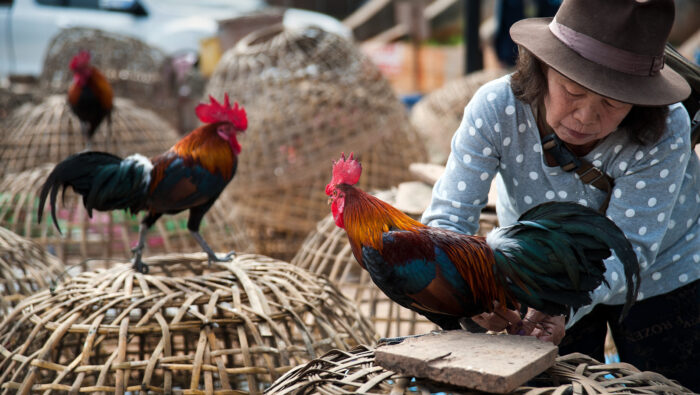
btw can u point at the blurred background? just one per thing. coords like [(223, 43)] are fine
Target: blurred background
[(419, 45)]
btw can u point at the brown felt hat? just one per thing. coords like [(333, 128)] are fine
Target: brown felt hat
[(612, 47)]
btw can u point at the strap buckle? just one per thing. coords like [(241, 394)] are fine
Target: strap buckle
[(596, 172), (564, 157)]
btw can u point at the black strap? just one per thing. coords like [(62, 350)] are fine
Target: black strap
[(569, 162)]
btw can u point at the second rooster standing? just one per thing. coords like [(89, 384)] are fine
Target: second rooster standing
[(89, 95), (189, 176)]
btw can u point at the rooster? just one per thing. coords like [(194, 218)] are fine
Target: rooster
[(190, 175), (549, 260), (89, 95)]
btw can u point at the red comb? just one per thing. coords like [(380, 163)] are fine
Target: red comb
[(81, 59), (216, 112), (345, 171)]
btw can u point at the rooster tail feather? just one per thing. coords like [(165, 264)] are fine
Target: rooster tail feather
[(552, 258), (105, 181)]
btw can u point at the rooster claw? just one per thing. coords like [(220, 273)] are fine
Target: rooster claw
[(225, 258), (140, 267)]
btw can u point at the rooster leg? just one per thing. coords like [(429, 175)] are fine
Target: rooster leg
[(212, 256), (88, 141), (110, 135), (138, 250)]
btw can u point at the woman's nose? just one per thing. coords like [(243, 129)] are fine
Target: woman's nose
[(586, 113)]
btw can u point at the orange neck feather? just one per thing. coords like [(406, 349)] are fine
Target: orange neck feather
[(367, 217), (205, 147)]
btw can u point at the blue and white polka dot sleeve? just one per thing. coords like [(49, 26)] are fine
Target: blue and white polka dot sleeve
[(462, 190)]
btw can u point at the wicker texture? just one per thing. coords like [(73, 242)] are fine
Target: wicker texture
[(106, 234), (37, 133), (185, 328), (326, 251), (25, 268), (309, 95), (131, 66), (438, 115), (354, 372), (11, 99)]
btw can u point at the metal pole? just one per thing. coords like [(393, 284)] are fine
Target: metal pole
[(472, 49)]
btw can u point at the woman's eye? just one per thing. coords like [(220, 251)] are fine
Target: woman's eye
[(572, 94)]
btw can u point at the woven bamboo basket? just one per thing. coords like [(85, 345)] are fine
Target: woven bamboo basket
[(45, 132), (326, 251), (354, 372), (438, 115), (25, 268), (309, 95), (186, 328), (11, 99), (135, 70), (106, 234)]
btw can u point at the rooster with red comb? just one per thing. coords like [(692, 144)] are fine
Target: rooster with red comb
[(550, 260), (89, 95), (189, 176)]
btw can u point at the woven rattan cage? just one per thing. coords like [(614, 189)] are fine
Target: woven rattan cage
[(326, 251), (309, 95), (106, 234), (37, 133), (185, 328), (132, 66), (437, 115), (11, 99), (25, 268), (136, 70), (354, 372)]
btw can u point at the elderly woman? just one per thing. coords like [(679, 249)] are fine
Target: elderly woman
[(591, 115)]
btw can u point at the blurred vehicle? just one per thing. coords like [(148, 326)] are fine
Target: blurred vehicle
[(175, 26)]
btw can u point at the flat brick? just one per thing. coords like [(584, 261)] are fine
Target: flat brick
[(485, 362)]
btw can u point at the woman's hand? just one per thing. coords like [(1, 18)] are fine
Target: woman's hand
[(535, 323), (498, 320), (551, 328)]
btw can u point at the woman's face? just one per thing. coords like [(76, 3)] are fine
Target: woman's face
[(577, 115)]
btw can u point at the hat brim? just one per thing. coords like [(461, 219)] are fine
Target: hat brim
[(664, 88)]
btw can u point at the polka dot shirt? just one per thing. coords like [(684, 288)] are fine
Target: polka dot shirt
[(655, 201)]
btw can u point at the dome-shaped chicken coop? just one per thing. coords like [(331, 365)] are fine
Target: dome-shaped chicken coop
[(438, 115), (107, 234), (309, 95), (326, 251), (44, 132), (355, 372), (25, 268), (11, 99), (135, 70), (185, 328), (132, 66)]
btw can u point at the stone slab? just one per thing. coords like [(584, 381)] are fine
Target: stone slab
[(484, 362)]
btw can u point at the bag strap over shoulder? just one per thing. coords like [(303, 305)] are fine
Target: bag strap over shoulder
[(691, 73), (568, 161)]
